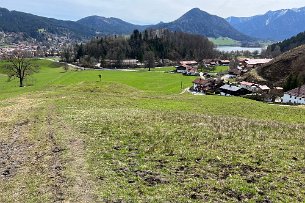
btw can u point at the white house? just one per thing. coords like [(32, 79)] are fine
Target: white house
[(295, 96)]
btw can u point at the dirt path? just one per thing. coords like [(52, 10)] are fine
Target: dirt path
[(185, 90), (42, 158), (71, 182), (83, 186)]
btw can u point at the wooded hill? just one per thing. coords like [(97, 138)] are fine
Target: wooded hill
[(286, 45), (110, 26), (286, 70), (160, 44), (14, 21)]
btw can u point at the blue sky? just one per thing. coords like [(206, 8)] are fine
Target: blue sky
[(145, 11)]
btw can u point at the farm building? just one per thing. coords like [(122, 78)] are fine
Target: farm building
[(189, 63), (249, 86), (181, 69), (203, 85), (256, 62), (209, 62), (264, 88), (295, 96), (187, 70), (224, 62), (232, 90)]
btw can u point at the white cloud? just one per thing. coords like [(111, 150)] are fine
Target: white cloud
[(145, 11)]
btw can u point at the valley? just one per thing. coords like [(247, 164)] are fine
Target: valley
[(199, 108)]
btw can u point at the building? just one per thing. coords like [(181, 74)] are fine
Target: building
[(295, 96), (249, 86), (181, 69), (189, 63), (232, 90), (224, 62), (203, 85), (256, 62), (264, 88), (210, 62)]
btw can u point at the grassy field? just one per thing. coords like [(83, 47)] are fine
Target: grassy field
[(134, 138), (219, 69), (224, 41)]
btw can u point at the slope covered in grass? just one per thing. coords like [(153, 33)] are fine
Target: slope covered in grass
[(134, 138)]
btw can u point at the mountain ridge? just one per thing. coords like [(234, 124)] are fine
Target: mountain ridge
[(16, 21), (200, 22), (110, 25), (273, 25)]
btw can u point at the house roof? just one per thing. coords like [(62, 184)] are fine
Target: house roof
[(234, 71), (264, 87), (201, 81), (207, 60), (188, 62), (257, 61), (246, 83), (297, 92), (231, 88)]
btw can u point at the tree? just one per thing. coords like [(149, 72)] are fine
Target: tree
[(66, 67), (276, 52), (20, 66), (149, 58), (88, 61), (67, 54), (234, 63)]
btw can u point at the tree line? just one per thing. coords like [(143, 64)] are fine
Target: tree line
[(297, 76), (148, 46), (286, 45)]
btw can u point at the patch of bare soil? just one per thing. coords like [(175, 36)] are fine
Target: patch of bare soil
[(56, 154), (56, 167), (14, 153)]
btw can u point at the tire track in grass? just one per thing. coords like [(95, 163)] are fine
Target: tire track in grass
[(70, 180), (41, 157)]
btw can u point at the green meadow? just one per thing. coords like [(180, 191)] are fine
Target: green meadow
[(136, 137), (224, 41)]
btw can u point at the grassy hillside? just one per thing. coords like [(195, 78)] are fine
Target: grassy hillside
[(224, 41), (134, 138), (278, 70)]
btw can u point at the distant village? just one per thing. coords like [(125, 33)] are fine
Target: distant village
[(51, 45), (230, 83)]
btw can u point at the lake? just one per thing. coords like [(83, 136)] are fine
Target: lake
[(235, 48)]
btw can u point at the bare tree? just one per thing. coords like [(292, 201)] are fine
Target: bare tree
[(149, 58), (66, 67), (67, 54), (234, 63), (20, 66)]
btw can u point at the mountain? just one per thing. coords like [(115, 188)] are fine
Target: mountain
[(14, 21), (277, 71), (110, 26), (199, 22), (273, 25)]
